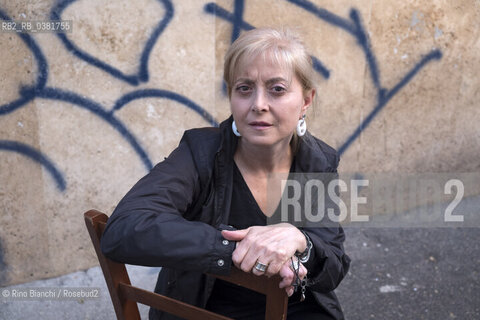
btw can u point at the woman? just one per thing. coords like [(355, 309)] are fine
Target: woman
[(180, 216)]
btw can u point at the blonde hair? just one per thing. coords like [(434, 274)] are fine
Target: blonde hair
[(282, 46)]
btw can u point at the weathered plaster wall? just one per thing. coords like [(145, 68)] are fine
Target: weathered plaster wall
[(84, 115)]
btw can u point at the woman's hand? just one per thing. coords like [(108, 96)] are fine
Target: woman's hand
[(270, 245), (288, 275)]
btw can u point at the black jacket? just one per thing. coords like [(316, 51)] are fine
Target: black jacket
[(173, 216)]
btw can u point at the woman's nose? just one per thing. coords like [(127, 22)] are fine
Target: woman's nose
[(260, 102)]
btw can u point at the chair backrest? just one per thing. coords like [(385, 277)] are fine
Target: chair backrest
[(125, 296)]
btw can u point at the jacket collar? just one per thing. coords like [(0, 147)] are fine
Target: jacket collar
[(229, 141), (313, 155)]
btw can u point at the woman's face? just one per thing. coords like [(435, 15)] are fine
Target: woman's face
[(266, 102)]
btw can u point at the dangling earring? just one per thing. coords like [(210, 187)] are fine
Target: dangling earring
[(301, 126), (234, 129)]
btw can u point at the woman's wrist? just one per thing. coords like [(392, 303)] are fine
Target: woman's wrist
[(304, 255), (301, 241)]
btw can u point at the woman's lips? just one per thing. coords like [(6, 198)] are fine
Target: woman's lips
[(260, 125)]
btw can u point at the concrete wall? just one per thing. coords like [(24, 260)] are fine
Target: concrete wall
[(84, 115)]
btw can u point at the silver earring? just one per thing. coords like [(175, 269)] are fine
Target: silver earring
[(301, 126), (234, 129)]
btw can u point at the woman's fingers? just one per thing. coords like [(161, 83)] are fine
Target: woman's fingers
[(287, 274), (267, 247), (302, 272), (234, 235), (243, 257), (290, 290), (248, 250), (271, 245), (273, 268)]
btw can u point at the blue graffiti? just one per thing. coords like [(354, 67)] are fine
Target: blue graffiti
[(355, 28), (96, 109), (157, 93), (36, 156), (385, 97), (237, 19), (133, 79), (41, 65), (29, 93), (238, 24)]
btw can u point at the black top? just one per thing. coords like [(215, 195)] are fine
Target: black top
[(227, 298), (244, 211)]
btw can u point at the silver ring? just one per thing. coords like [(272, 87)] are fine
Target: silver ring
[(260, 266)]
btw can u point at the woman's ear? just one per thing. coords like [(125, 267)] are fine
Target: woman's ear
[(308, 100)]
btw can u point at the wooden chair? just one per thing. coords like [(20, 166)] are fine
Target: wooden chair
[(125, 296)]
